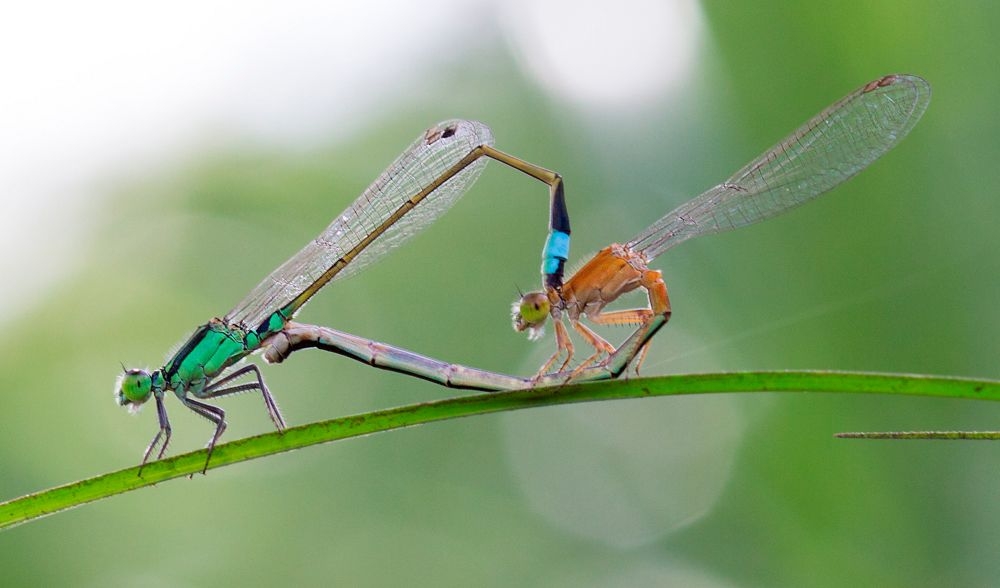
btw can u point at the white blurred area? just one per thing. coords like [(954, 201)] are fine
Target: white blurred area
[(99, 90), (606, 55)]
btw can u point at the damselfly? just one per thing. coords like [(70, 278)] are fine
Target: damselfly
[(414, 191), (830, 148)]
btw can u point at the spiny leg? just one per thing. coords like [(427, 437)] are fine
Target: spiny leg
[(164, 432), (563, 342), (213, 414), (596, 341), (659, 306), (618, 361), (655, 317), (218, 388), (642, 357), (631, 316)]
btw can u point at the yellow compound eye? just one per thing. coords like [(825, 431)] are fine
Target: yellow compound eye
[(529, 314), (534, 308)]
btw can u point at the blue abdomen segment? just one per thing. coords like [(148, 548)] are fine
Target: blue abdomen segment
[(556, 252), (554, 256)]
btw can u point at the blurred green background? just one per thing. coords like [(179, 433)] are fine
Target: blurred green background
[(640, 106)]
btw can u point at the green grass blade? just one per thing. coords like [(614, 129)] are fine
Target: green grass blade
[(33, 506), (909, 435)]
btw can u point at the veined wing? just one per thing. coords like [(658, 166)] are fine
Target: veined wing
[(832, 147), (399, 204)]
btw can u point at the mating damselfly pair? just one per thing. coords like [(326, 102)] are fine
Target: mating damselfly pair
[(430, 176)]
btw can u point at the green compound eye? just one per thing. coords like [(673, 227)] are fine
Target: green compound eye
[(134, 387)]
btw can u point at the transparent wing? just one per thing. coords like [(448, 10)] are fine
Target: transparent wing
[(836, 144), (347, 245)]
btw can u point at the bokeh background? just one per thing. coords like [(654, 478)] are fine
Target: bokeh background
[(157, 163)]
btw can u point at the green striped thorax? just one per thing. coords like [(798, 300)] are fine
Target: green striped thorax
[(212, 349)]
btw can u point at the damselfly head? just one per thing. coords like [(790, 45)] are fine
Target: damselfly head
[(133, 388), (529, 314)]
